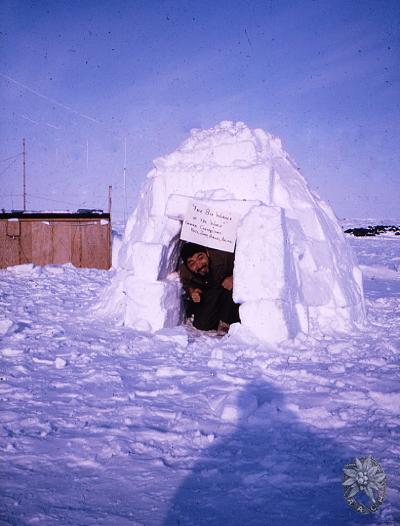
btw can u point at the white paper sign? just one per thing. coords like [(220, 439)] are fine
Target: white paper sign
[(210, 227)]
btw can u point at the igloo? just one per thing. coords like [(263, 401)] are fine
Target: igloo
[(294, 271)]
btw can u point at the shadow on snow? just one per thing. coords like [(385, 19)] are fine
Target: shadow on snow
[(272, 470)]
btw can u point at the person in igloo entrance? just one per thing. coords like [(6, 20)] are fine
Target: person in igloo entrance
[(207, 278), (293, 272)]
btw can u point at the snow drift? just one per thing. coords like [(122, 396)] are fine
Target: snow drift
[(294, 271)]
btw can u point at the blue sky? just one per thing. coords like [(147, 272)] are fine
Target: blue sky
[(78, 77)]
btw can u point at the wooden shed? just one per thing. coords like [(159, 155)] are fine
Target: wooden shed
[(82, 238)]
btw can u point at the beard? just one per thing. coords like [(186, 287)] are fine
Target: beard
[(204, 270)]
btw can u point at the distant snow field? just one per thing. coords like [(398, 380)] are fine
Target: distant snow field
[(106, 425)]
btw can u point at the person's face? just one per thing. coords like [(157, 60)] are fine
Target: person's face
[(198, 263)]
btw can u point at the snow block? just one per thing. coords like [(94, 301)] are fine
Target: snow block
[(267, 319), (150, 306), (260, 255), (145, 260)]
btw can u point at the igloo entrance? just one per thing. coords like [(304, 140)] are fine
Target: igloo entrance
[(293, 269)]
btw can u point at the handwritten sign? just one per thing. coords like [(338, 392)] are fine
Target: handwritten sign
[(210, 227)]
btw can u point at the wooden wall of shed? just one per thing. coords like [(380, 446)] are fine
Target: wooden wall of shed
[(83, 242), (15, 243)]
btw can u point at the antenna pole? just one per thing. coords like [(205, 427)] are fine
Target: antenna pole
[(24, 171), (109, 199), (125, 180)]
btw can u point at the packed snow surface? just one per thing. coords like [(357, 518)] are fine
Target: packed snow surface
[(294, 271), (106, 425)]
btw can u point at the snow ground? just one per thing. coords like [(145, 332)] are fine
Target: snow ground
[(102, 425)]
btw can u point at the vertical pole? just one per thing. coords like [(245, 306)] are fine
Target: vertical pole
[(109, 261), (24, 171), (125, 181)]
